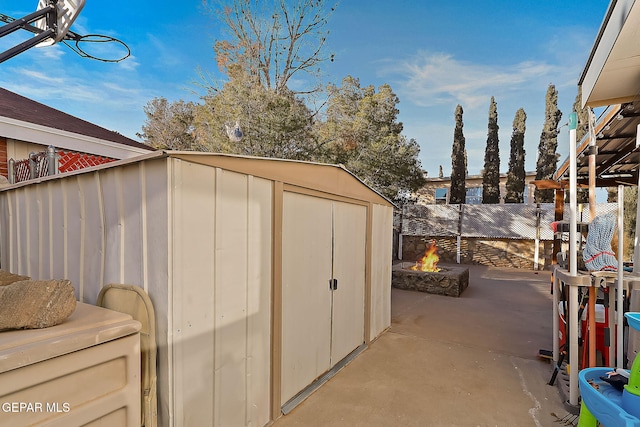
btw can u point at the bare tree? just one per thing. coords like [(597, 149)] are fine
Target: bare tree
[(272, 40)]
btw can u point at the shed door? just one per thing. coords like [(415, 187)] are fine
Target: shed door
[(306, 299), (321, 240), (349, 231)]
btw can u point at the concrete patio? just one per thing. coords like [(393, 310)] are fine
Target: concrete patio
[(467, 361)]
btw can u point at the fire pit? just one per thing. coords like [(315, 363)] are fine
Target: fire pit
[(450, 280)]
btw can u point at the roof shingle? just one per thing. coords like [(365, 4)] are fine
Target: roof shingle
[(18, 107)]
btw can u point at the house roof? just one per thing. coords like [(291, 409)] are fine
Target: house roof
[(24, 119), (611, 74), (611, 77)]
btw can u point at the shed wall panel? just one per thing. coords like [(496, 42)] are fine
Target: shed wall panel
[(243, 286), (62, 228), (44, 246), (131, 198), (7, 231), (111, 185), (381, 242), (349, 247), (222, 296), (193, 292), (259, 274), (156, 262), (231, 298), (306, 298), (57, 229), (73, 237), (33, 224), (21, 230), (92, 232)]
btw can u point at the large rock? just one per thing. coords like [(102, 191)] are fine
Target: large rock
[(34, 304), (7, 278)]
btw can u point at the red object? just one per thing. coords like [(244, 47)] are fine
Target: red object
[(601, 327)]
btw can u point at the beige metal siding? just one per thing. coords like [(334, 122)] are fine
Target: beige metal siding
[(221, 296), (322, 239), (306, 298), (86, 228), (199, 239), (93, 228), (350, 237), (382, 237)]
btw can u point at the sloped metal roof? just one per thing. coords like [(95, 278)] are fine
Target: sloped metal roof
[(618, 155)]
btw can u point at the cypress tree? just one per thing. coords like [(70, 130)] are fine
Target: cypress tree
[(516, 175), (458, 162), (491, 175), (547, 157)]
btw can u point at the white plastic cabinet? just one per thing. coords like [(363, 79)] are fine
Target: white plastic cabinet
[(85, 371)]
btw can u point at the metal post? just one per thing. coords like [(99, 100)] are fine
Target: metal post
[(536, 251), (12, 171), (556, 320), (593, 292), (52, 160), (573, 264), (620, 287), (33, 173), (459, 237), (636, 244)]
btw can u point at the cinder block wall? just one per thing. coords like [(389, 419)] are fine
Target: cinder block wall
[(493, 252)]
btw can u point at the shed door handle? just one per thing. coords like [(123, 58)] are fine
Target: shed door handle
[(333, 284)]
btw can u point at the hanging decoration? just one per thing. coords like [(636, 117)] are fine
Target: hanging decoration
[(234, 132)]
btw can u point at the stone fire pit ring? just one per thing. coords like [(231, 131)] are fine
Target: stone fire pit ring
[(450, 281)]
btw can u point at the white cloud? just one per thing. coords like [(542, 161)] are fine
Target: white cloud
[(129, 64), (431, 79)]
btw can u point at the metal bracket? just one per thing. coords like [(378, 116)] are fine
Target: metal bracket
[(50, 13)]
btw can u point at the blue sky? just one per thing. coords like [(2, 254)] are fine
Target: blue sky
[(434, 54)]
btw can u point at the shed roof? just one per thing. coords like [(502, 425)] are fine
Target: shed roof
[(333, 180), (24, 119)]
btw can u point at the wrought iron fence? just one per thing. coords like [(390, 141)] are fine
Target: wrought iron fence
[(51, 162), (36, 166)]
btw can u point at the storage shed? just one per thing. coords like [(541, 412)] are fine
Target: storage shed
[(265, 274)]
